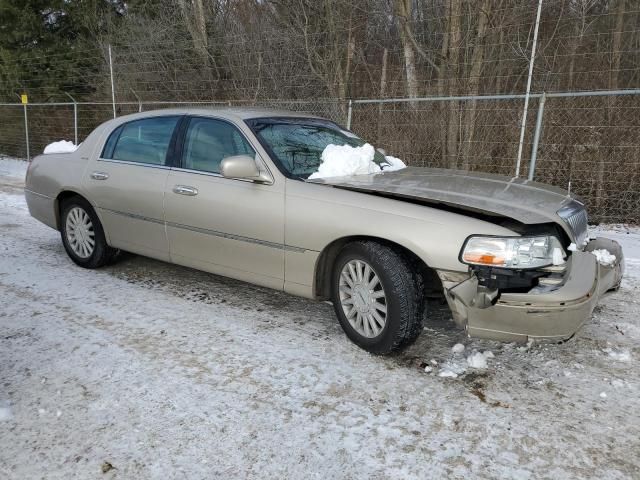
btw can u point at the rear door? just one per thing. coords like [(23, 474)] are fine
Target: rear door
[(127, 184), (231, 227)]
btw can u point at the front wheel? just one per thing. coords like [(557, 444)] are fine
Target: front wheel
[(377, 296), (82, 234)]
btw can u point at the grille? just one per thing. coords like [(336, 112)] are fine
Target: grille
[(576, 217)]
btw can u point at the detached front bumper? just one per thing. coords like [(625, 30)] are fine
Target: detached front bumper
[(552, 315)]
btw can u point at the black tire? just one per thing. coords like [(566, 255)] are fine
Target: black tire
[(403, 288), (102, 253), (415, 328)]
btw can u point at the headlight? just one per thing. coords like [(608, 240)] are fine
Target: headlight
[(512, 252)]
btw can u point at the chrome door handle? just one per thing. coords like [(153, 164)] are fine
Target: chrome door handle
[(185, 190), (99, 175)]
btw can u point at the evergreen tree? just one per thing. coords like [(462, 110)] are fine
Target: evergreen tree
[(48, 47)]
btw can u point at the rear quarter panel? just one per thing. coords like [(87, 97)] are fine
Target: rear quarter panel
[(51, 174)]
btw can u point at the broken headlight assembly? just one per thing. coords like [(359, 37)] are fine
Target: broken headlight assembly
[(522, 253)]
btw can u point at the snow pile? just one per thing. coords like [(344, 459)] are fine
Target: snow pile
[(344, 160), (558, 257), (479, 359), (13, 167), (341, 160), (622, 355), (604, 257), (451, 370), (63, 146), (476, 360), (5, 414), (392, 164)]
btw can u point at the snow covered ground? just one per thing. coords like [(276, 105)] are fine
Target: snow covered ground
[(148, 370)]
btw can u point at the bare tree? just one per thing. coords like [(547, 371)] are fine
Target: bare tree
[(580, 28), (193, 15), (403, 13), (454, 47), (477, 58)]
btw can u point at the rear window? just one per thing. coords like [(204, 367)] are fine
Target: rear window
[(141, 141)]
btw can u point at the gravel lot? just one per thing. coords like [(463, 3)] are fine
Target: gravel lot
[(148, 370)]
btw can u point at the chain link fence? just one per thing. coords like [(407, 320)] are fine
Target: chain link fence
[(586, 142)]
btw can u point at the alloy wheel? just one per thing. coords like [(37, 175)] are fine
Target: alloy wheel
[(80, 232), (363, 298)]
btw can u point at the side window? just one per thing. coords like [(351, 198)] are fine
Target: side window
[(209, 141), (107, 152), (143, 141)]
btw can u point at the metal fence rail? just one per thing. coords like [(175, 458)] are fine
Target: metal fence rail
[(587, 142)]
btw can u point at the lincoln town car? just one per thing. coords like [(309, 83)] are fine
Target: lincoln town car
[(236, 192)]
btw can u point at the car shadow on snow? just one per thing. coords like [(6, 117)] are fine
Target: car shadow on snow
[(290, 312), (210, 289)]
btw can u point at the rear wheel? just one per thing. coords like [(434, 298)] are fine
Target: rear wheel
[(377, 296), (82, 234)]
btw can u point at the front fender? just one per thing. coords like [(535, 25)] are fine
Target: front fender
[(317, 215)]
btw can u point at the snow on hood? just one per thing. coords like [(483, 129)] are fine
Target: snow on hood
[(345, 160), (63, 146), (392, 164)]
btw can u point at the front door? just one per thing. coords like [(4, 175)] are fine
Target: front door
[(127, 184), (230, 227)]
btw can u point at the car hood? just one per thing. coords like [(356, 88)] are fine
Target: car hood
[(522, 200)]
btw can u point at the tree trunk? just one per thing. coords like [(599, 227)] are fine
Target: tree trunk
[(383, 91), (614, 70), (403, 11), (499, 65), (195, 21), (344, 76), (455, 44), (616, 46), (477, 58), (575, 45), (201, 24), (442, 77)]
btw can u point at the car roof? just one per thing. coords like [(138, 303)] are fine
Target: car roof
[(235, 113)]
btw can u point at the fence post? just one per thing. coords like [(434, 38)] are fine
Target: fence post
[(526, 98), (113, 90), (26, 131), (349, 112), (536, 137), (75, 118), (75, 123)]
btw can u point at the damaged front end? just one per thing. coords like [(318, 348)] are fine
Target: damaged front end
[(549, 303)]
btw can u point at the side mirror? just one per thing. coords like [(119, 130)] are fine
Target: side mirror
[(243, 167)]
